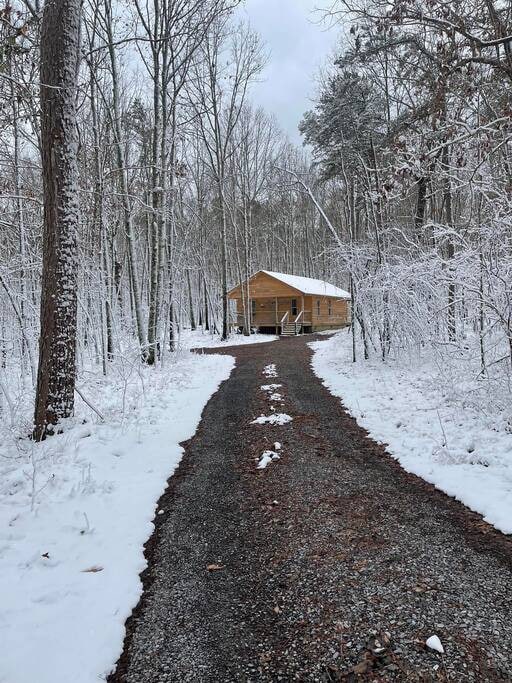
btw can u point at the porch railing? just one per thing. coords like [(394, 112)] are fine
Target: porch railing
[(297, 319), (275, 319)]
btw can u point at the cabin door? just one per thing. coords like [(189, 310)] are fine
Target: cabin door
[(293, 308)]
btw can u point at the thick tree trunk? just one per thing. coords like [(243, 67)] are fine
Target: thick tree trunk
[(60, 46)]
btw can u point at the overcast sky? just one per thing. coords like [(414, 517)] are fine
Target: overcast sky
[(298, 47)]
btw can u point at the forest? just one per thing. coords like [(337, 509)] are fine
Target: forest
[(141, 181), (185, 187)]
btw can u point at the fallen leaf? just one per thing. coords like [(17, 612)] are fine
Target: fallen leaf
[(95, 568), (360, 566), (46, 555), (214, 567), (362, 667), (265, 657)]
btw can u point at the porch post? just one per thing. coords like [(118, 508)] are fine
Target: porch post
[(276, 313), (302, 311)]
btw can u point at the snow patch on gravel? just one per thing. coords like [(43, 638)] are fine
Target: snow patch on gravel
[(270, 370), (266, 458), (276, 419), (434, 643)]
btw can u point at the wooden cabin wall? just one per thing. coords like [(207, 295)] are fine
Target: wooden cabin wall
[(339, 312)]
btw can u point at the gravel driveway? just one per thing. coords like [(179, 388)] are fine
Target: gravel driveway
[(331, 564)]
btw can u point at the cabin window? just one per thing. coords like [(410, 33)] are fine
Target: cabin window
[(329, 303), (253, 308), (294, 306), (318, 307)]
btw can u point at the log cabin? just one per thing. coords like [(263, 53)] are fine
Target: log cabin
[(289, 304)]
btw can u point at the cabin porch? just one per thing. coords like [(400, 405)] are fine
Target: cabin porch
[(278, 314)]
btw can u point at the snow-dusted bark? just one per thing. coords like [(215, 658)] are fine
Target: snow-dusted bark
[(60, 48)]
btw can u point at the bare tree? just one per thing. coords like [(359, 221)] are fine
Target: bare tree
[(219, 110)]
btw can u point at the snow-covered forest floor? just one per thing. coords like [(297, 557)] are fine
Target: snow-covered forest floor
[(437, 416), (76, 510), (198, 339)]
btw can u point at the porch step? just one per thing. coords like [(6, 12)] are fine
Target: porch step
[(290, 330)]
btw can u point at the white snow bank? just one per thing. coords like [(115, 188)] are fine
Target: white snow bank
[(69, 568), (459, 448), (275, 419), (201, 339)]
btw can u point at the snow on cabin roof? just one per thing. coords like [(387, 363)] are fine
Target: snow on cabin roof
[(308, 285)]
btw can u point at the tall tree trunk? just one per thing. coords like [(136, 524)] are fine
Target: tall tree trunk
[(156, 220), (224, 266), (172, 325), (20, 211), (448, 207), (206, 316), (123, 180), (60, 48), (100, 227), (191, 303), (421, 204)]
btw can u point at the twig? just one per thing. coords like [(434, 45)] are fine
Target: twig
[(89, 404)]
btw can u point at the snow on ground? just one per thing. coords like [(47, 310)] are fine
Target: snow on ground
[(272, 394), (429, 421), (201, 339), (76, 510), (266, 458), (275, 419), (276, 396), (270, 370)]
